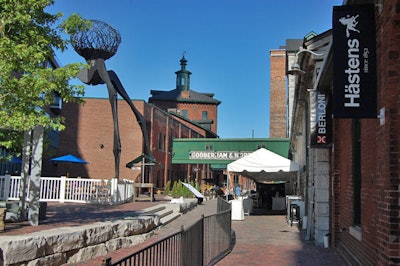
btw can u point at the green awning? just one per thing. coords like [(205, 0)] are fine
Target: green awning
[(147, 159), (215, 151), (216, 166)]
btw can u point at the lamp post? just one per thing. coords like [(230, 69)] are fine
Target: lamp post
[(96, 45), (309, 192), (295, 68)]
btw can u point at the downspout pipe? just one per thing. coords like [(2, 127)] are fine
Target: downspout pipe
[(296, 104)]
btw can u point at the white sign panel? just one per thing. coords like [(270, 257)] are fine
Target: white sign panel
[(217, 155)]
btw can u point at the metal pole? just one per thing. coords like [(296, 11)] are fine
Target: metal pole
[(143, 170)]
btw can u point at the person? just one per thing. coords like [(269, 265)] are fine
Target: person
[(237, 191), (207, 194)]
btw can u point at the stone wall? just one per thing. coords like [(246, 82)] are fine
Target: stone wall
[(78, 243)]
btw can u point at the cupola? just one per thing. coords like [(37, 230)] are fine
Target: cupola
[(183, 76)]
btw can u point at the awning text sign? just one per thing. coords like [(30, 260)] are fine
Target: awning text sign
[(354, 62), (217, 155)]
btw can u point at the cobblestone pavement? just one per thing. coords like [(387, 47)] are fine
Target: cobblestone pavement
[(269, 240), (258, 239)]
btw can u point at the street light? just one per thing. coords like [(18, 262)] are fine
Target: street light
[(295, 69)]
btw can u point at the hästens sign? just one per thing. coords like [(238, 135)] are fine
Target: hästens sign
[(354, 62)]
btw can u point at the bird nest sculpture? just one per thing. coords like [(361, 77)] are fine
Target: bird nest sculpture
[(100, 41)]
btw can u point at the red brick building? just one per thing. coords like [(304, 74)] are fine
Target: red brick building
[(365, 203), (277, 92), (201, 108), (89, 135), (281, 90), (355, 159)]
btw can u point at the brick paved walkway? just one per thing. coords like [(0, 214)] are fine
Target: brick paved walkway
[(269, 240), (73, 214), (259, 239)]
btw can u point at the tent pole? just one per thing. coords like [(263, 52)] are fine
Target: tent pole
[(227, 185)]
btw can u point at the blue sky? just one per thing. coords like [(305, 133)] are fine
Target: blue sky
[(227, 44)]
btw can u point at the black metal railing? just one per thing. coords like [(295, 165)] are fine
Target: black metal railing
[(203, 243), (217, 237)]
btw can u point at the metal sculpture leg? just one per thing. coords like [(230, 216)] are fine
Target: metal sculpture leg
[(98, 74), (112, 95), (139, 117)]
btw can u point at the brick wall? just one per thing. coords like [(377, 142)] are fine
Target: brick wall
[(89, 135), (277, 94), (194, 110), (380, 160)]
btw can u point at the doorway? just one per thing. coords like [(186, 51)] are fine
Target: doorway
[(266, 193)]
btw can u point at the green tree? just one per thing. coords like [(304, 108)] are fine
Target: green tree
[(167, 190), (29, 37), (175, 190)]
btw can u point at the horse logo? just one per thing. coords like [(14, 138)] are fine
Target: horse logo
[(350, 23)]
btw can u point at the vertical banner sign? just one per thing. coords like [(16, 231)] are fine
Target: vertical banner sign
[(321, 124), (354, 62)]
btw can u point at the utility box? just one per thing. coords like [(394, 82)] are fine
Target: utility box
[(42, 211)]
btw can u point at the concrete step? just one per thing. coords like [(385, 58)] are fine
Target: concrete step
[(154, 209), (172, 212), (167, 212), (169, 218), (164, 212)]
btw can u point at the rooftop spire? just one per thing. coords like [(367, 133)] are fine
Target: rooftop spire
[(183, 76), (183, 61)]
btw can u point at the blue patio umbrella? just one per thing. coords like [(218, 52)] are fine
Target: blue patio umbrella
[(15, 160), (69, 158)]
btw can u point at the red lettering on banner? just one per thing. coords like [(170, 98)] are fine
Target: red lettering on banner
[(321, 139)]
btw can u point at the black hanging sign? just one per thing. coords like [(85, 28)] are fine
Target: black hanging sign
[(354, 62), (321, 121)]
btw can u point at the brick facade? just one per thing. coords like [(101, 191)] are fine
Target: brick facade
[(89, 135), (200, 108), (377, 240), (194, 111), (277, 111)]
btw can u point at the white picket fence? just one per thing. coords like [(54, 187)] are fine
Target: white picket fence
[(79, 190)]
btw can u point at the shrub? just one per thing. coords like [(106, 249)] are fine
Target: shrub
[(179, 190), (175, 190), (167, 190)]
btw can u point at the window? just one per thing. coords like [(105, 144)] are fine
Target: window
[(161, 142), (236, 179), (57, 103), (185, 113), (204, 115)]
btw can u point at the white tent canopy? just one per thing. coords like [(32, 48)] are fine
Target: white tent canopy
[(263, 165)]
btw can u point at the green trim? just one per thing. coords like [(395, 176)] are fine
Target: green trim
[(139, 159), (217, 166), (222, 151)]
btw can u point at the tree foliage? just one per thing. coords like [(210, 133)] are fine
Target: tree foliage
[(29, 37), (167, 190)]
